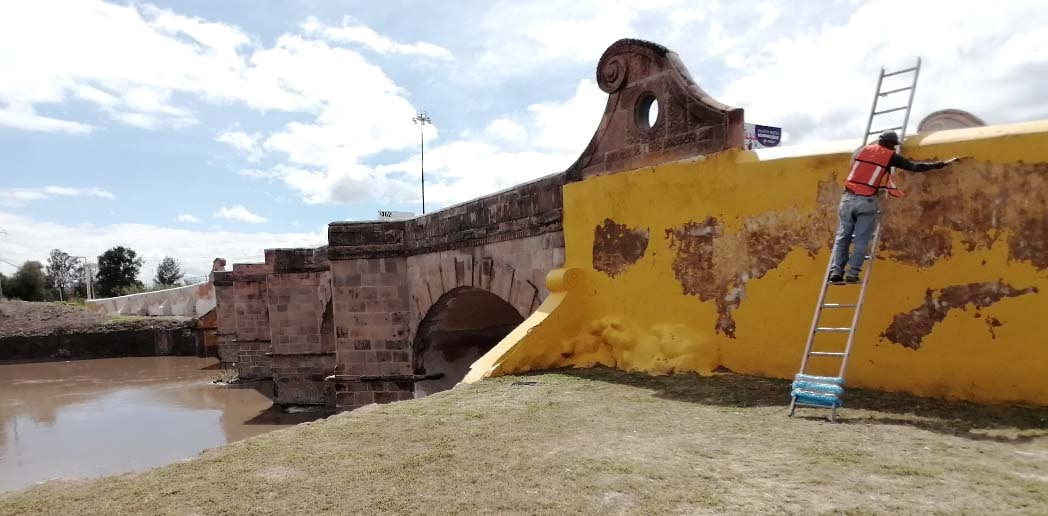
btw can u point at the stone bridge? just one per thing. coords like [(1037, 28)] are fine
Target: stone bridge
[(394, 309)]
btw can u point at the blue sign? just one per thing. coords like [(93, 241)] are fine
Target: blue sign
[(768, 136)]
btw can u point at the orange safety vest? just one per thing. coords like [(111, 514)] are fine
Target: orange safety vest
[(870, 172)]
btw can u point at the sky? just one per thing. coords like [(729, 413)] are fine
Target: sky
[(200, 129)]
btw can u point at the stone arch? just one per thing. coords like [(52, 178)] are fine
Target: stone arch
[(438, 275), (460, 327)]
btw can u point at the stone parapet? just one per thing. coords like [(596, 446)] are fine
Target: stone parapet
[(529, 209)]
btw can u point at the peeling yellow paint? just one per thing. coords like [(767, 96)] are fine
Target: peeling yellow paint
[(766, 257)]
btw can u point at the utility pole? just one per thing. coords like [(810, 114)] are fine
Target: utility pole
[(421, 118)]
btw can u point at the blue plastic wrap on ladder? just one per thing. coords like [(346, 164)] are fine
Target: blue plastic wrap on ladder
[(823, 391)]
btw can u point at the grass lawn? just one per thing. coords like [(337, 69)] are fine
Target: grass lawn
[(603, 442)]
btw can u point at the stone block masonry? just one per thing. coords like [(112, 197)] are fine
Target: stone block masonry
[(387, 275), (252, 320), (301, 327), (225, 310)]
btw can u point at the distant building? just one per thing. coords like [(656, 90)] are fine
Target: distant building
[(762, 136)]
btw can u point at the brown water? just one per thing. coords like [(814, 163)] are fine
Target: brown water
[(92, 418)]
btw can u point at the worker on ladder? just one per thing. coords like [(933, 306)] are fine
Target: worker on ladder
[(871, 171)]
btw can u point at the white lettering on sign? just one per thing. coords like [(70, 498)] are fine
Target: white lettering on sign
[(395, 215)]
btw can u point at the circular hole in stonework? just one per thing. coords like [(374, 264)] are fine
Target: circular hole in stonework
[(647, 113)]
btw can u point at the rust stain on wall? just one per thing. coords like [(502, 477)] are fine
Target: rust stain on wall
[(715, 265), (993, 322), (616, 247), (979, 201), (982, 202), (909, 329), (1029, 242)]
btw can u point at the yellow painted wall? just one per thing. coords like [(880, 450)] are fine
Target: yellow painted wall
[(737, 249)]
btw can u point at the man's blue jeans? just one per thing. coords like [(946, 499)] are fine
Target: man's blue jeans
[(858, 220)]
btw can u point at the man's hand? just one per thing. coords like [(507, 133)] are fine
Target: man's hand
[(943, 164)]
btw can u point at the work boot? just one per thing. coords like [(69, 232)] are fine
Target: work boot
[(851, 279), (836, 279)]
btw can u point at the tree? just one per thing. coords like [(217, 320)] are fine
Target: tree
[(28, 283), (168, 272), (117, 270), (63, 270)]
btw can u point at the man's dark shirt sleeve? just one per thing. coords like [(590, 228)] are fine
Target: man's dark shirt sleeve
[(898, 161)]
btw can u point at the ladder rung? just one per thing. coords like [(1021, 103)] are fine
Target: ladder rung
[(826, 354), (840, 330), (897, 90), (882, 130), (875, 113), (838, 305), (904, 70)]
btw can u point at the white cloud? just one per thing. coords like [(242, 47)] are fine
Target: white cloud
[(24, 117), (185, 217), (128, 60), (20, 196), (261, 174), (815, 80), (345, 183), (367, 37), (145, 66), (239, 212), (248, 143), (31, 239), (569, 125), (507, 130), (548, 138), (520, 39)]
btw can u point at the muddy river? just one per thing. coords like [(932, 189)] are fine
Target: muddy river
[(91, 418)]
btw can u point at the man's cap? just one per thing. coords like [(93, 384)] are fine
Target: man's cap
[(889, 137)]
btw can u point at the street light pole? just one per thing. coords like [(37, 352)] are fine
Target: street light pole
[(421, 118)]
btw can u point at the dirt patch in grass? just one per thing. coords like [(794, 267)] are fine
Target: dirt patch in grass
[(605, 442)]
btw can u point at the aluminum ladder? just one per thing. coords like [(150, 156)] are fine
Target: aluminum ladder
[(826, 391)]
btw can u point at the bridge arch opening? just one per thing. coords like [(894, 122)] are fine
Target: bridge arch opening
[(458, 329)]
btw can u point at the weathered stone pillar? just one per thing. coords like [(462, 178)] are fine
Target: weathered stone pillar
[(252, 320), (301, 327), (225, 310), (371, 315)]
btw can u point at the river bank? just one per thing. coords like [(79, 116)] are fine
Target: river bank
[(60, 331), (603, 442)]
